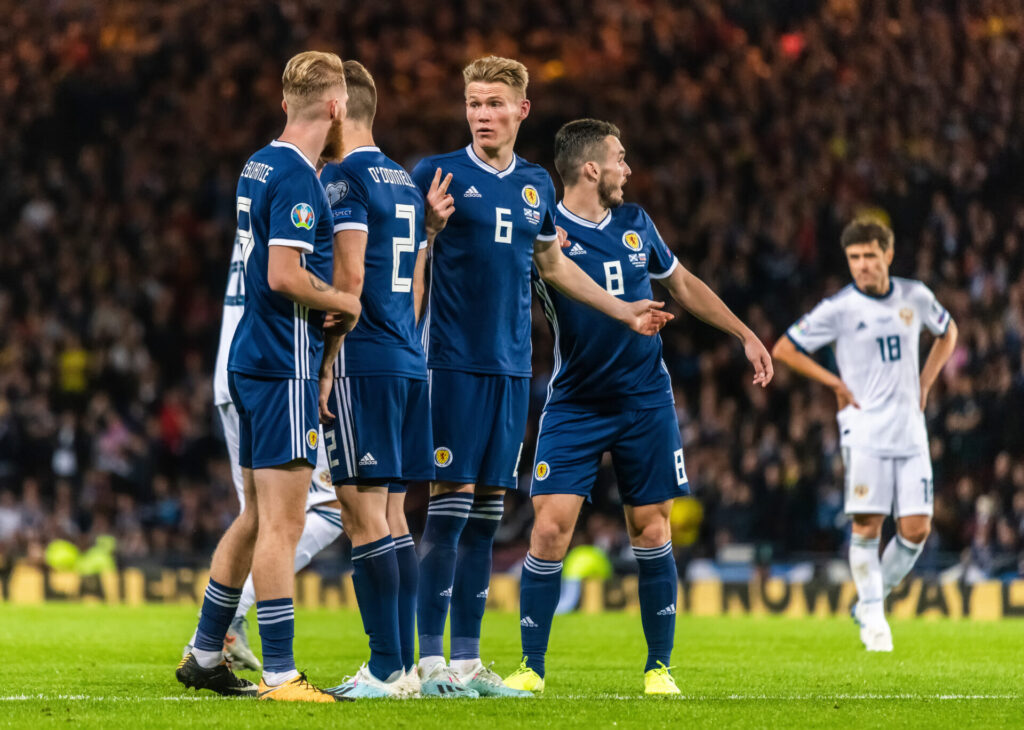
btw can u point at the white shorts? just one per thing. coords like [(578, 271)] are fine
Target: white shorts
[(882, 485), (320, 489)]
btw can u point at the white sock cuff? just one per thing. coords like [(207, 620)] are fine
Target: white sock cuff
[(914, 547), (856, 541), (652, 553)]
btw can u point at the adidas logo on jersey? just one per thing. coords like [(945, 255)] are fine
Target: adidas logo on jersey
[(528, 623), (577, 250), (669, 610), (368, 460), (483, 593), (447, 592), (472, 193)]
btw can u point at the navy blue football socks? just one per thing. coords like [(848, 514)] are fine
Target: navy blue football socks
[(473, 574), (276, 619), (408, 578), (219, 604), (375, 578), (446, 518), (539, 589), (658, 588)]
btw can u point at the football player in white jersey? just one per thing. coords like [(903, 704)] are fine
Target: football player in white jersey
[(875, 326), (323, 516)]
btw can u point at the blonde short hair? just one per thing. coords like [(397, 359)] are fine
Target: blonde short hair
[(362, 93), (309, 75), (494, 69)]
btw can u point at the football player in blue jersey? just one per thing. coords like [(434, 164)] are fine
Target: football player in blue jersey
[(611, 392), (373, 393), (479, 356), (285, 233)]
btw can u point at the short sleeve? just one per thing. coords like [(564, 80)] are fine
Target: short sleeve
[(933, 315), (348, 198), (294, 201), (815, 330), (547, 226), (423, 173), (662, 261)]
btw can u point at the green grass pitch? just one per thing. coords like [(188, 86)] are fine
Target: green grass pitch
[(109, 667)]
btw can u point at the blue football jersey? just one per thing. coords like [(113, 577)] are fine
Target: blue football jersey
[(369, 192), (280, 203), (601, 364), (479, 311)]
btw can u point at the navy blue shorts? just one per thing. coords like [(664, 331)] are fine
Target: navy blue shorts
[(381, 432), (646, 449), (479, 423), (278, 420)]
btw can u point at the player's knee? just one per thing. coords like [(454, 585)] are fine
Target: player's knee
[(868, 527), (916, 533), (549, 540), (652, 534)]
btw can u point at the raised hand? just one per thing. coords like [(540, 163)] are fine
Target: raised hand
[(563, 237), (440, 203)]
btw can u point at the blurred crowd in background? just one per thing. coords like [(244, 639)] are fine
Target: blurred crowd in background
[(755, 132)]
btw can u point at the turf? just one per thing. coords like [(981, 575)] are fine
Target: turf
[(96, 666)]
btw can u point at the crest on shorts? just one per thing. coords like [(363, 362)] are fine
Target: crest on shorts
[(860, 491), (302, 216), (442, 456), (632, 241), (541, 471), (324, 478), (531, 196), (311, 437), (907, 315)]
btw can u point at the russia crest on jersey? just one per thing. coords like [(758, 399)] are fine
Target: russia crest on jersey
[(302, 216), (531, 196), (632, 241)]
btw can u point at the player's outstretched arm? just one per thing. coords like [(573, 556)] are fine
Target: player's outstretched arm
[(942, 350), (787, 352), (644, 316), (697, 298)]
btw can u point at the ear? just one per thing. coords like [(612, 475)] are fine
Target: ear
[(524, 109), (889, 254), (284, 105), (591, 170)]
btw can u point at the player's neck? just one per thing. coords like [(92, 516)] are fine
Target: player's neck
[(309, 137), (356, 138), (498, 157), (584, 204)]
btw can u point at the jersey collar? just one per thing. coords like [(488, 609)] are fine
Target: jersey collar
[(500, 173), (364, 148), (875, 296), (583, 221), (289, 145)]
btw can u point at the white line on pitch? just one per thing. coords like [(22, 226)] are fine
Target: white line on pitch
[(613, 697)]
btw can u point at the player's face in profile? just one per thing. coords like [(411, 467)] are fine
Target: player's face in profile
[(869, 266), (614, 173), (334, 146), (494, 112)]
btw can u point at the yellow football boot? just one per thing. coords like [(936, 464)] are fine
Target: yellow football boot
[(659, 681), (296, 689), (525, 678)]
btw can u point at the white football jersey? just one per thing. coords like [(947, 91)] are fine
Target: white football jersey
[(234, 305), (876, 342)]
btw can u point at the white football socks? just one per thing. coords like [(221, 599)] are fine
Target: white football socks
[(867, 576), (464, 667), (897, 560)]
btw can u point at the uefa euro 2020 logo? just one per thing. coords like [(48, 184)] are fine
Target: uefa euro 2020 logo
[(302, 216)]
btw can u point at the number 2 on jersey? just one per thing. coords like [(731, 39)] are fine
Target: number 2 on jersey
[(403, 244)]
